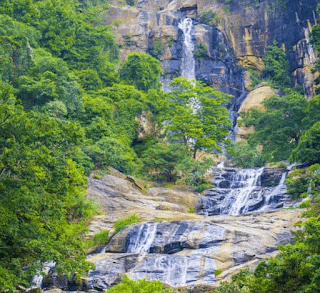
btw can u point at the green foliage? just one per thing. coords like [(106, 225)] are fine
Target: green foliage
[(201, 51), (279, 127), (140, 286), (217, 272), (160, 161), (158, 48), (120, 224), (276, 66), (193, 172), (111, 152), (201, 129), (246, 156), (299, 181), (98, 239), (308, 149), (141, 70), (209, 17), (192, 210), (304, 204), (49, 79), (42, 200)]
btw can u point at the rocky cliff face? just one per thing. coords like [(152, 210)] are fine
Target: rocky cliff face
[(239, 39)]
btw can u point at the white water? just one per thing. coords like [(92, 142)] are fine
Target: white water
[(144, 239), (188, 64), (242, 191), (249, 180)]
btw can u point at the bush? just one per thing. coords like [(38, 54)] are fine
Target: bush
[(308, 149), (304, 204), (158, 48), (140, 286), (98, 239), (297, 183), (201, 51), (209, 17), (131, 219), (111, 152), (161, 160), (246, 156)]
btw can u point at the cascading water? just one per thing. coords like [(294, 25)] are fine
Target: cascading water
[(242, 191), (188, 63)]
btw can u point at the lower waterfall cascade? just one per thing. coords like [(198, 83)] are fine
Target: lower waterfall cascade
[(188, 252)]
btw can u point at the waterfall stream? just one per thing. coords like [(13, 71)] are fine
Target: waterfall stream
[(188, 63), (240, 191)]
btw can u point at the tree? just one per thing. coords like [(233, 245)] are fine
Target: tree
[(141, 70), (160, 161), (203, 128), (276, 66), (279, 127), (49, 79), (308, 149), (43, 209)]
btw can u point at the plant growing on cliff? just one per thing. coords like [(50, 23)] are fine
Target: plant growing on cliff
[(209, 17), (276, 66), (120, 224), (140, 286), (246, 156), (201, 51), (158, 48)]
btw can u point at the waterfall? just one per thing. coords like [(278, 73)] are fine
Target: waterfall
[(242, 191), (188, 63)]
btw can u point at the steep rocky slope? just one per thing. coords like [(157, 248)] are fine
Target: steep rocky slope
[(180, 248), (239, 39)]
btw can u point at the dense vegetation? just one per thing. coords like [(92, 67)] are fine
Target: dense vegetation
[(288, 126), (68, 107)]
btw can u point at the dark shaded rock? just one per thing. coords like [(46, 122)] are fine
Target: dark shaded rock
[(271, 177)]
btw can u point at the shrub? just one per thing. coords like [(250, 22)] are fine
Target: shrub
[(304, 204), (158, 48), (140, 286), (201, 51), (246, 156), (209, 17), (131, 219), (98, 239), (192, 210)]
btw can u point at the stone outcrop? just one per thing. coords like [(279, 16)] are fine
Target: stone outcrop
[(254, 100), (119, 197), (240, 36), (188, 253)]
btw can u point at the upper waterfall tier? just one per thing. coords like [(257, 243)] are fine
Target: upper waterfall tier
[(188, 64), (242, 191)]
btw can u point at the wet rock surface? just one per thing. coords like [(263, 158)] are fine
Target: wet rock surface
[(187, 253), (243, 191)]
